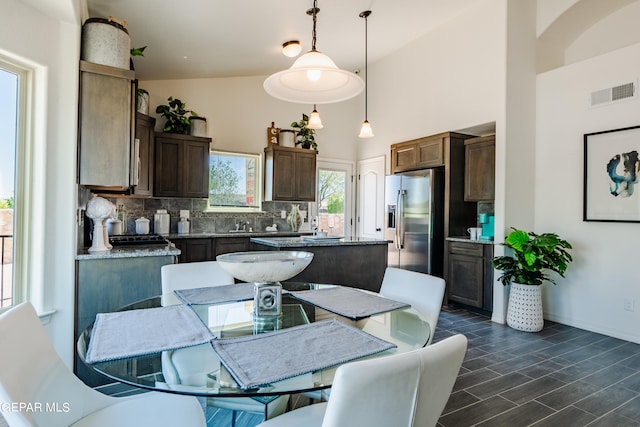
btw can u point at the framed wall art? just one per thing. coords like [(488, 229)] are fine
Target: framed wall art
[(611, 175)]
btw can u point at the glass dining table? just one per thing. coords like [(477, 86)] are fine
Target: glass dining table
[(198, 371)]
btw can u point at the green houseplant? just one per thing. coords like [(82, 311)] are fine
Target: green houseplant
[(306, 136), (176, 114), (534, 257)]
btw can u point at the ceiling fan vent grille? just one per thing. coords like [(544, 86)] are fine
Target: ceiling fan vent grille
[(623, 92)]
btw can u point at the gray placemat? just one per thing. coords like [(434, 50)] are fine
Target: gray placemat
[(216, 294), (139, 332), (349, 302), (262, 359)]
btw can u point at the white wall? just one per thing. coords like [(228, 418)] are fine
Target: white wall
[(451, 78), (606, 256), (51, 45), (239, 111)]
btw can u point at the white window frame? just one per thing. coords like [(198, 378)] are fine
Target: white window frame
[(30, 174), (259, 185)]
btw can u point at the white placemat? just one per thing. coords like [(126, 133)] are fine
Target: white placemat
[(216, 294), (139, 332), (349, 302), (262, 359)]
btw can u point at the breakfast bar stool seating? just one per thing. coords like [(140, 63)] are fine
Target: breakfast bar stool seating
[(32, 373), (405, 390), (423, 291), (177, 365)]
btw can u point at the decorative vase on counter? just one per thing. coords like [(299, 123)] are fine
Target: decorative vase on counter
[(295, 218)]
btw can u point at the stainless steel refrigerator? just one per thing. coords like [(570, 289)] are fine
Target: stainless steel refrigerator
[(414, 220)]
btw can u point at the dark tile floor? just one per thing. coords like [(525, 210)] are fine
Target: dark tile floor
[(561, 376)]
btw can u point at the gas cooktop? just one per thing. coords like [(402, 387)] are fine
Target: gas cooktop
[(137, 239)]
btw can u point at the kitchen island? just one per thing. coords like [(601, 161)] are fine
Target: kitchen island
[(350, 261)]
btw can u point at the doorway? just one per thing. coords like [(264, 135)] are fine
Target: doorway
[(334, 201)]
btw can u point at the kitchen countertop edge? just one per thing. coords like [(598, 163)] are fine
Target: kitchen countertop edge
[(468, 240), (129, 252), (297, 242)]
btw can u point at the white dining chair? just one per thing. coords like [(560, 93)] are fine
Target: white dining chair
[(191, 275), (189, 366), (40, 390), (423, 291), (403, 390)]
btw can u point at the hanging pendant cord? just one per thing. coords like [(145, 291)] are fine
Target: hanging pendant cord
[(366, 68), (313, 12)]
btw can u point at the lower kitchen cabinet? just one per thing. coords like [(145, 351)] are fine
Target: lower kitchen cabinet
[(207, 249), (469, 274), (104, 285), (195, 250), (225, 245)]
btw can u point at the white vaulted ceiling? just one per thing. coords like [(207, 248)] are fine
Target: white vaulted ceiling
[(223, 38)]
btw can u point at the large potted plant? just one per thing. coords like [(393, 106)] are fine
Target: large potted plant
[(535, 257), (305, 136), (175, 113)]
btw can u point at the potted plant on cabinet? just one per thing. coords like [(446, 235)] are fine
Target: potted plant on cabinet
[(176, 115), (535, 256), (306, 136)]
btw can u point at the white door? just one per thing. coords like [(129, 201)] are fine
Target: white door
[(334, 208), (370, 216)]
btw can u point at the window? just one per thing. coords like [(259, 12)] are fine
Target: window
[(234, 181), (9, 83)]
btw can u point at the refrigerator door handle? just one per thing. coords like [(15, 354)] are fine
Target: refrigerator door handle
[(398, 217), (400, 227)]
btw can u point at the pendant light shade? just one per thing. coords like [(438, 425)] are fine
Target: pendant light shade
[(365, 130), (314, 119), (314, 78)]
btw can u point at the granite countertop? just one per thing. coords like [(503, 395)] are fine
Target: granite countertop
[(468, 240), (130, 252), (208, 235), (298, 242)]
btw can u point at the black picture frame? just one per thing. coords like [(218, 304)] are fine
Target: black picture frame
[(611, 185)]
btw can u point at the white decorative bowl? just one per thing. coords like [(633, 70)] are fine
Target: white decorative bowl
[(265, 266)]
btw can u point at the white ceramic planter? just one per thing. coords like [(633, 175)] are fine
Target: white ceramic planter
[(524, 311)]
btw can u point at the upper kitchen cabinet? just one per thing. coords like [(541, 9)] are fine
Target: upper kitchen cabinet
[(181, 166), (418, 154), (145, 151), (290, 174), (479, 171), (106, 127)]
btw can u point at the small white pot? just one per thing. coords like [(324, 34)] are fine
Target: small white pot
[(524, 311)]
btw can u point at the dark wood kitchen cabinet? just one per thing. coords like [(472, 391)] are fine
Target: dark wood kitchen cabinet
[(105, 136), (290, 174), (181, 166), (469, 275), (479, 171), (418, 154), (225, 245), (146, 150), (195, 250)]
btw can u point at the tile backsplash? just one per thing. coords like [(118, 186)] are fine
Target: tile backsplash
[(201, 220)]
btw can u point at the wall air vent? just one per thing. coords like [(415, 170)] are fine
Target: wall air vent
[(623, 92)]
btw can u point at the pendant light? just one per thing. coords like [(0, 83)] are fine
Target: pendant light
[(314, 78), (314, 119), (365, 130)]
